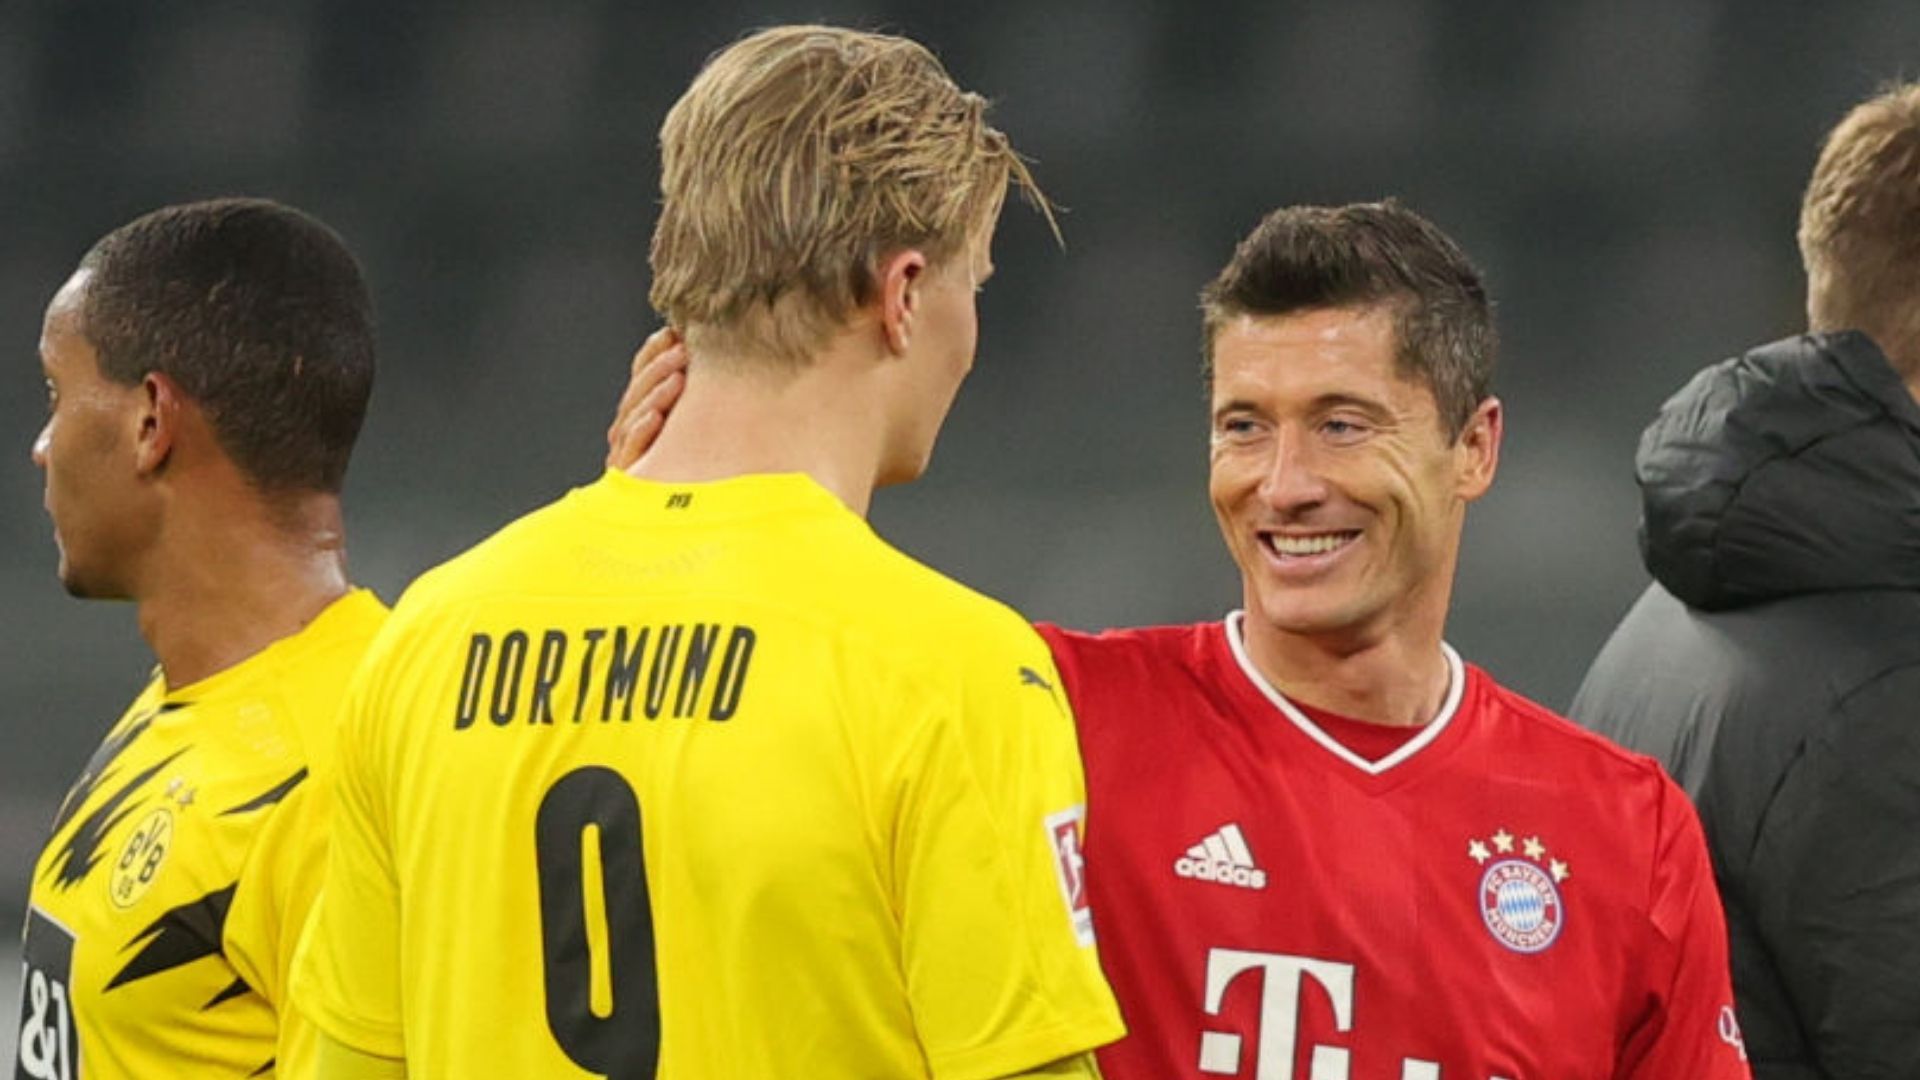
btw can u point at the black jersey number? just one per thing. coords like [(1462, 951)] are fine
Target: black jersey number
[(595, 808)]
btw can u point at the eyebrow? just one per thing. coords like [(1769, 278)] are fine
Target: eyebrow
[(1322, 403), (1352, 401), (1236, 405)]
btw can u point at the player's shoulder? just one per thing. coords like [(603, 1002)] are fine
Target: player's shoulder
[(478, 569), (1552, 739), (1142, 648), (334, 642), (912, 605), (282, 704), (312, 676)]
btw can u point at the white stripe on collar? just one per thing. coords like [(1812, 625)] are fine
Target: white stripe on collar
[(1456, 687)]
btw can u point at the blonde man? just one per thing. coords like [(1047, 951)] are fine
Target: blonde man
[(689, 775), (1774, 664)]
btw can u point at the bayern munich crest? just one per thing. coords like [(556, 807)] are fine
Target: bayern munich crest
[(1519, 895)]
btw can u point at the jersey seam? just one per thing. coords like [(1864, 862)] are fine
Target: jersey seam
[(1076, 1034)]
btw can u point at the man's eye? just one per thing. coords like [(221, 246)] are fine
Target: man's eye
[(1342, 429)]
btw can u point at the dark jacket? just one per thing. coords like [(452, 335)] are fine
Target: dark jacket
[(1774, 667)]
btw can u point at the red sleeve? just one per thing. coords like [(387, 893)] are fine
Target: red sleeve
[(1089, 662), (1060, 642), (1687, 1026)]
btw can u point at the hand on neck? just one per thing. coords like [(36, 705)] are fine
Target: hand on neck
[(831, 419)]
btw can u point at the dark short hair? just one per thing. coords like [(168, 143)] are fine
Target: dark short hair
[(1301, 258), (261, 315)]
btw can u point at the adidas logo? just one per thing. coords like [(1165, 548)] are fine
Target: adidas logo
[(1222, 857)]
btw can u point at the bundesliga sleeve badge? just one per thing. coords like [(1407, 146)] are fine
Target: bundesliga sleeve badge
[(1063, 836), (1519, 896)]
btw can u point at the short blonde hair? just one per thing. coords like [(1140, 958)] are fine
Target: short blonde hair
[(799, 157), (1860, 226)]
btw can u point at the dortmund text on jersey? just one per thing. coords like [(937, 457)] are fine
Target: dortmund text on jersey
[(689, 781)]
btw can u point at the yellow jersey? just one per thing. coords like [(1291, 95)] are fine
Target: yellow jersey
[(705, 781), (167, 903)]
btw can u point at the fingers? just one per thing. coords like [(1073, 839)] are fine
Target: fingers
[(658, 376), (630, 439), (634, 433), (643, 373)]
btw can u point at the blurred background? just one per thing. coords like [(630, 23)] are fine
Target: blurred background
[(1627, 173)]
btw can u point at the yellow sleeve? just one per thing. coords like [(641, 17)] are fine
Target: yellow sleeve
[(271, 900), (1078, 1067), (347, 976), (997, 940), (339, 1062)]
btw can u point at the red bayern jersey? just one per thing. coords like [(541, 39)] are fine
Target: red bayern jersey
[(1503, 897)]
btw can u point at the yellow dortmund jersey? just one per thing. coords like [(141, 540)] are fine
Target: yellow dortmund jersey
[(705, 781), (167, 903)]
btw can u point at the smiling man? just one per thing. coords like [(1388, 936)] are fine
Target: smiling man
[(1328, 847)]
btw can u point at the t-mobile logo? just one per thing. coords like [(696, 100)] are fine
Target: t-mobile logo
[(1282, 979)]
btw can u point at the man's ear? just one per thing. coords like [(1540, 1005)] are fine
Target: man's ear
[(1478, 448), (162, 410), (900, 277)]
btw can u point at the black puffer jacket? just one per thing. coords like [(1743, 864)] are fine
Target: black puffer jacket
[(1774, 666)]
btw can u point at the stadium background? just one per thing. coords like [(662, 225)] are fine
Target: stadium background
[(1627, 173)]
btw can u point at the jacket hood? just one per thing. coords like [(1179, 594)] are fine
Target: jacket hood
[(1794, 468)]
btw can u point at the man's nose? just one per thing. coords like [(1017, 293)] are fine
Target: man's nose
[(1293, 480)]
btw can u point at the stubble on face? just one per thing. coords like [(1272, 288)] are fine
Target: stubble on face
[(1333, 480)]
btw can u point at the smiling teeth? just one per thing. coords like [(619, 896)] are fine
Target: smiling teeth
[(1309, 545)]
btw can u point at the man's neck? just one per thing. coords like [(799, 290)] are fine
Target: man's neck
[(223, 586), (1398, 678), (825, 421)]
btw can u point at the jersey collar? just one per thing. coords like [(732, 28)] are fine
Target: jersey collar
[(1456, 688)]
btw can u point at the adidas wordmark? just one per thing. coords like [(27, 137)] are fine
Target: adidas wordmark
[(1222, 857)]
